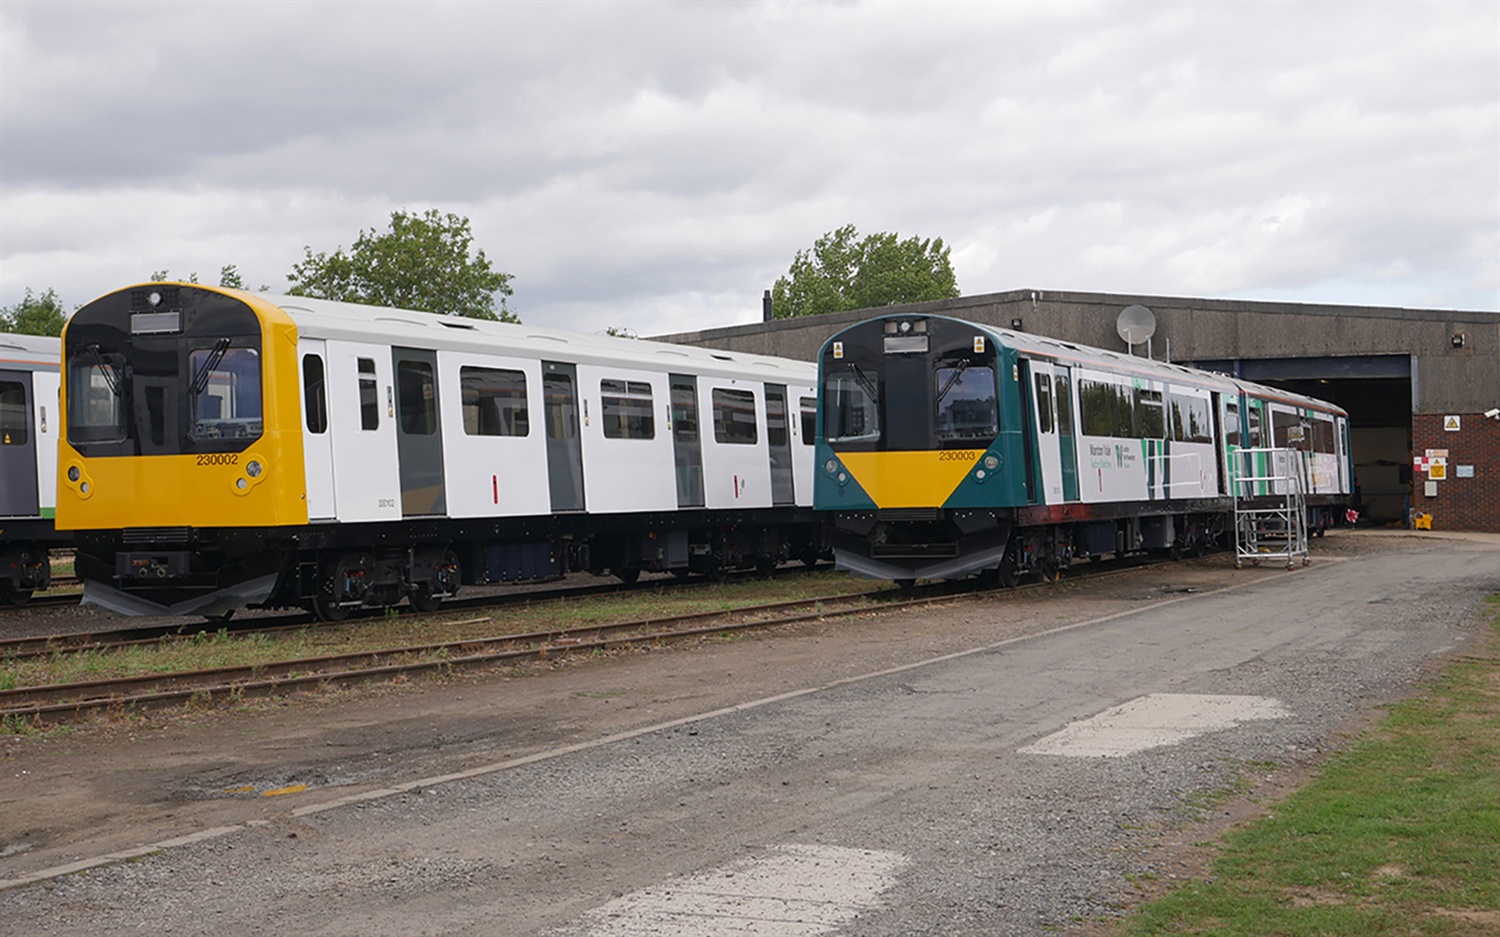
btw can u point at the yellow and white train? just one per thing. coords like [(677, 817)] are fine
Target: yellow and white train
[(225, 449)]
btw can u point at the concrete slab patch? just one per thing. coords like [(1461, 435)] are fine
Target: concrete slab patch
[(1153, 721), (790, 891)]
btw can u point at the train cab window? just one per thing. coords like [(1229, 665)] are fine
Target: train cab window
[(96, 411), (627, 409), (1231, 424), (1150, 421), (369, 395), (1043, 404), (224, 394), (14, 425), (809, 406), (967, 403), (417, 398), (850, 407), (314, 394), (734, 417), (494, 402)]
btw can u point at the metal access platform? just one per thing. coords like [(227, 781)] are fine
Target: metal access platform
[(1270, 506)]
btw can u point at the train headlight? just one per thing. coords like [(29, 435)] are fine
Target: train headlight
[(73, 473), (991, 462), (253, 469), (831, 466), (241, 484), (84, 487)]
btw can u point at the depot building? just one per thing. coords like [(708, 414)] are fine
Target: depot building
[(1422, 386)]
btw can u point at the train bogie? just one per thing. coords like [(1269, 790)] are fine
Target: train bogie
[(357, 456)]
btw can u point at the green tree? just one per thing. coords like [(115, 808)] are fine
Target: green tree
[(34, 315), (423, 262), (843, 271)]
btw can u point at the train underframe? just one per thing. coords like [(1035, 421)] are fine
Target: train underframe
[(1002, 545), (333, 569)]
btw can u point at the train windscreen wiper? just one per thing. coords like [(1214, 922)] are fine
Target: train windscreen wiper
[(111, 379), (200, 380), (953, 378)]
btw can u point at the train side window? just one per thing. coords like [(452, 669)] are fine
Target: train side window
[(627, 409), (1094, 406), (369, 395), (734, 417), (809, 406), (1043, 403), (494, 402), (1253, 415), (417, 396), (1190, 419), (1150, 421), (316, 394), (1123, 408), (1064, 403), (13, 421), (1232, 424)]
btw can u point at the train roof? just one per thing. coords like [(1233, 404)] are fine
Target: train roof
[(1071, 352), (322, 318), (30, 350)]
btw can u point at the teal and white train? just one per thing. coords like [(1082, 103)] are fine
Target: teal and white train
[(948, 449)]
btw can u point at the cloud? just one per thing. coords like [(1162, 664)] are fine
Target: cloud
[(657, 165)]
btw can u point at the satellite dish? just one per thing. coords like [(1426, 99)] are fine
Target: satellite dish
[(1136, 324)]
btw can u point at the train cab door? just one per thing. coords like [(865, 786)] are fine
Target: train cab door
[(564, 446), (18, 496), (317, 441), (419, 438), (779, 443), (1067, 442), (1044, 425), (687, 447)]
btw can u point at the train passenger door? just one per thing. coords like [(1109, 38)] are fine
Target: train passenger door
[(18, 496), (1062, 402), (686, 445), (419, 439), (779, 443), (317, 441), (1044, 424), (564, 449)]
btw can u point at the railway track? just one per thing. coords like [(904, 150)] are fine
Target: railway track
[(70, 701)]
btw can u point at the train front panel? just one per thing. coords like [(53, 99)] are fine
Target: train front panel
[(181, 443), (922, 450)]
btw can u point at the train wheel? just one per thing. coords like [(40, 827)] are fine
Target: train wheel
[(327, 609), (422, 599), (1048, 571), (628, 576), (17, 596)]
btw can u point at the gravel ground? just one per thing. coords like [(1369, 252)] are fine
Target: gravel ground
[(921, 762)]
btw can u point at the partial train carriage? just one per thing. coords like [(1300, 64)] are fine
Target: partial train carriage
[(28, 463), (225, 449), (948, 449)]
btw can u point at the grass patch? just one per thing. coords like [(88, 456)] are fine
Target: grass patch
[(1400, 835)]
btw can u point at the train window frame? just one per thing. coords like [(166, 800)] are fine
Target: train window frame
[(416, 397), (627, 409), (1062, 399), (15, 414), (975, 384), (315, 393), (369, 394), (1232, 423), (229, 375), (731, 427), (494, 401), (1043, 395), (97, 379), (851, 407), (809, 415)]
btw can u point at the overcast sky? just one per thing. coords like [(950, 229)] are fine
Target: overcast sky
[(655, 166)]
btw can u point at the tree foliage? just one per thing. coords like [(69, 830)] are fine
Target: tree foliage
[(423, 262), (843, 271), (34, 315)]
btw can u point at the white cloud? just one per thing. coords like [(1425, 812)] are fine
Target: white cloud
[(656, 165)]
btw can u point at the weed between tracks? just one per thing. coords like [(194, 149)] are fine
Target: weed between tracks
[(400, 627)]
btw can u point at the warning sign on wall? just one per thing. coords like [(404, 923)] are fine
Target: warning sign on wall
[(1452, 423), (1437, 471)]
